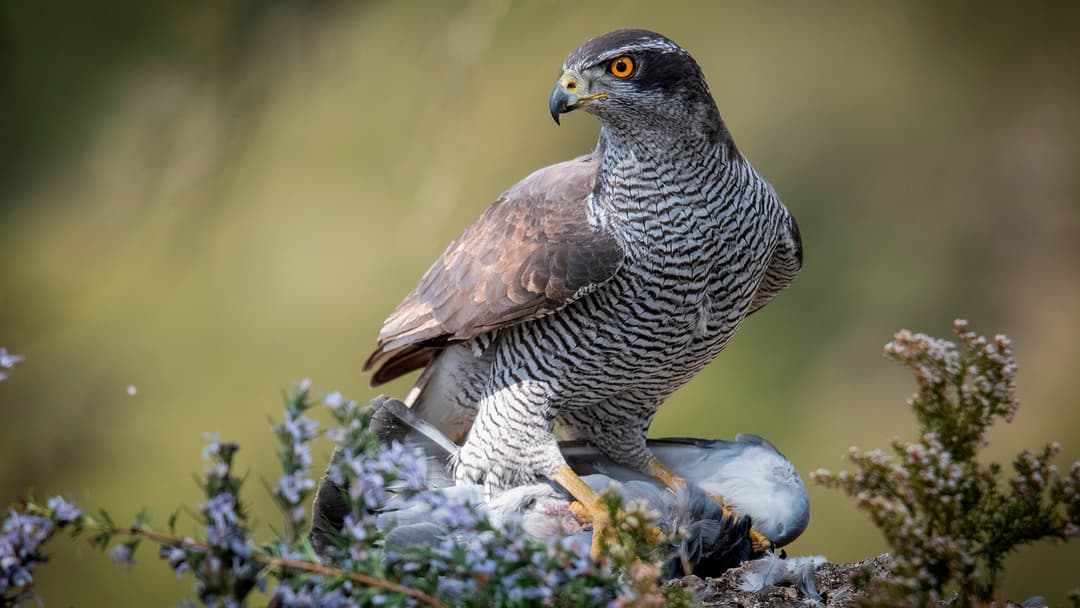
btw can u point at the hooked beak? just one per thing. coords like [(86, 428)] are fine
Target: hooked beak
[(570, 94)]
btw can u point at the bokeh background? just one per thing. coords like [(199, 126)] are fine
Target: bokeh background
[(211, 200)]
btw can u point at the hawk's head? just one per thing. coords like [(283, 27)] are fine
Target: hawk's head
[(637, 80)]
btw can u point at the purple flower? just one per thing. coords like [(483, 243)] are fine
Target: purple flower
[(408, 465), (370, 477), (356, 528), (122, 554), (290, 486), (222, 529), (27, 530), (301, 428), (8, 361), (303, 455), (451, 512), (221, 509), (63, 511), (335, 474), (484, 566), (372, 488), (311, 595), (213, 448), (176, 557), (19, 543), (450, 587)]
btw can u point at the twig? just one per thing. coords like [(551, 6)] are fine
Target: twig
[(295, 564)]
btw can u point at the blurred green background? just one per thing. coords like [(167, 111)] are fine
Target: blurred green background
[(211, 200)]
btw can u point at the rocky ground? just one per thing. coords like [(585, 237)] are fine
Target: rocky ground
[(833, 583)]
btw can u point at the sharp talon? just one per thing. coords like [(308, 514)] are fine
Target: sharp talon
[(602, 530), (578, 510), (758, 542), (589, 507)]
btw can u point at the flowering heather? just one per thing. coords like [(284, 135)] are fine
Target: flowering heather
[(22, 536), (122, 554), (482, 564), (23, 533), (294, 433), (949, 519), (8, 361), (63, 511)]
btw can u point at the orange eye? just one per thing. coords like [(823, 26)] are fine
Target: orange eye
[(621, 67)]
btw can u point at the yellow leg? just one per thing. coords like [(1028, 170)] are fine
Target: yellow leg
[(590, 507), (672, 480)]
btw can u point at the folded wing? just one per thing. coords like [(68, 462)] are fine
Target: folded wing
[(532, 252)]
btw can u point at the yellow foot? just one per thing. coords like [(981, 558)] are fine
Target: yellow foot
[(591, 508), (603, 533), (758, 542)]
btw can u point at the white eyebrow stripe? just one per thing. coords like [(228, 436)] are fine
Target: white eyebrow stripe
[(651, 45)]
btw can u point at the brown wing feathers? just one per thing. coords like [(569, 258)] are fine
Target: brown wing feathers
[(525, 257)]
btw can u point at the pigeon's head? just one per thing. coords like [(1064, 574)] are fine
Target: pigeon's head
[(637, 81)]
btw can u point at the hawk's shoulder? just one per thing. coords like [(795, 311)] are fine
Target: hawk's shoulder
[(526, 257)]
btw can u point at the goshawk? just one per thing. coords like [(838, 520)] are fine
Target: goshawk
[(594, 288)]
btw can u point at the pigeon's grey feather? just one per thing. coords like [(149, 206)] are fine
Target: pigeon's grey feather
[(750, 473), (713, 542), (773, 570), (418, 534)]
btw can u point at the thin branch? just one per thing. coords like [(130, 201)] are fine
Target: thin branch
[(295, 564)]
